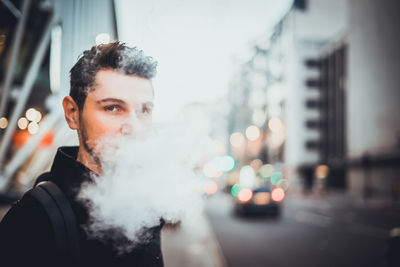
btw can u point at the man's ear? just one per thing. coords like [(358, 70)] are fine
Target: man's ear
[(71, 112)]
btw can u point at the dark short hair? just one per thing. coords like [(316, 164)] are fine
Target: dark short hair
[(115, 56)]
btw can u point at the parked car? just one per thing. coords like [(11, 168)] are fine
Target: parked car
[(259, 201)]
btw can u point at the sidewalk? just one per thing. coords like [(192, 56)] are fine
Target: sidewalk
[(191, 244), (346, 199)]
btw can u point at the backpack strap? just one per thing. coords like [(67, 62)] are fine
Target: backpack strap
[(62, 219)]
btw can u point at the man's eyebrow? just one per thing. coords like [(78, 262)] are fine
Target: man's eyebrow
[(149, 104), (110, 99)]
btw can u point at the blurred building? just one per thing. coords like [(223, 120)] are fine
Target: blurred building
[(316, 99), (342, 111), (39, 43), (330, 76), (373, 112), (258, 97)]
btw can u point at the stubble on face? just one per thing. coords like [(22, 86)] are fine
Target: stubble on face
[(86, 144)]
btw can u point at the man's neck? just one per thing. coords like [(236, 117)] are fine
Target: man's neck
[(89, 161)]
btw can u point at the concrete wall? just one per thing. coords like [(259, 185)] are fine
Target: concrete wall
[(81, 21), (297, 134), (323, 22), (373, 98), (373, 95)]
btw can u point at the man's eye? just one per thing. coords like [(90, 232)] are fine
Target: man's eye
[(112, 108), (146, 110)]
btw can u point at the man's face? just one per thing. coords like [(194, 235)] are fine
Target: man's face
[(118, 105)]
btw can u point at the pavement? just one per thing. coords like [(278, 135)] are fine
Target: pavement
[(192, 243)]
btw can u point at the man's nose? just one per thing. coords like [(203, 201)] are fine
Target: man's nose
[(127, 125), (126, 129)]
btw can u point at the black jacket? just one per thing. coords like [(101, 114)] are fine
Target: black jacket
[(26, 238)]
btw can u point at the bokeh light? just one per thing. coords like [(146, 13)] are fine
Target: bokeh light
[(223, 163), (38, 116), (228, 163), (3, 123), (33, 115), (321, 171), (252, 133), (103, 38), (266, 170), (22, 123), (275, 125), (256, 164), (245, 194), (277, 194), (20, 138), (247, 176), (33, 128), (237, 139), (211, 187), (48, 139), (276, 178), (235, 189)]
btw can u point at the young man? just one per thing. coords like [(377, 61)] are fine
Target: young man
[(111, 94)]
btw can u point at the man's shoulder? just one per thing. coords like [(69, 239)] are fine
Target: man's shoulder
[(26, 211), (25, 233), (43, 177), (27, 208)]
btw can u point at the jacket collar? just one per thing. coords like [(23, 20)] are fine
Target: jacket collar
[(67, 172)]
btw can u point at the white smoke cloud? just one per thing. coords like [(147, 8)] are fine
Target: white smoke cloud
[(145, 178)]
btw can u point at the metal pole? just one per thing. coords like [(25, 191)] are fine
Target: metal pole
[(12, 8), (26, 88), (16, 43)]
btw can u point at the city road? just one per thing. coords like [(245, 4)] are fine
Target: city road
[(312, 231)]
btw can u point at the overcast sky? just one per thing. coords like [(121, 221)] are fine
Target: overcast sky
[(195, 43)]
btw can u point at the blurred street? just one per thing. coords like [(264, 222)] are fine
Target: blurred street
[(312, 231)]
